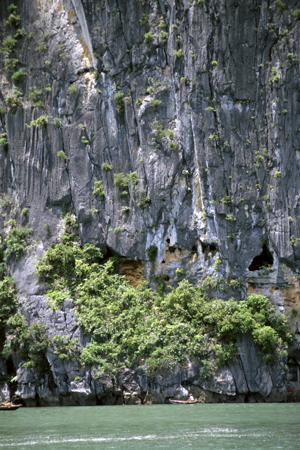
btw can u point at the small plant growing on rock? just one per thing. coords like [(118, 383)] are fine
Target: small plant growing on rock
[(81, 127), (155, 103), (143, 202), (61, 154), (293, 240), (275, 77), (163, 35), (281, 5), (12, 8), (139, 101), (294, 313), (42, 121), (152, 253), (144, 19), (73, 89), (214, 63), (162, 24), (6, 202), (57, 122), (296, 14), (13, 19), (133, 178), (121, 180), (8, 44), (119, 98), (117, 230), (172, 146), (84, 140), (213, 137), (14, 98), (125, 209), (24, 211), (3, 140), (35, 96), (106, 167), (98, 189), (148, 38), (47, 226), (178, 53), (230, 217), (18, 76), (20, 33), (277, 174), (16, 242), (10, 64), (226, 200)]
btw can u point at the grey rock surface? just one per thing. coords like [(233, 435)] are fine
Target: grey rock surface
[(221, 182)]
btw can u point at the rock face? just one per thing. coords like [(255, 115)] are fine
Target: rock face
[(247, 378), (200, 100)]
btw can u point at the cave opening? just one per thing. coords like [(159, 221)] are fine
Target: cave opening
[(194, 249), (209, 247), (263, 260)]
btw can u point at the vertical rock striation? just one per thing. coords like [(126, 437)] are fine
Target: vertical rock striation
[(198, 99)]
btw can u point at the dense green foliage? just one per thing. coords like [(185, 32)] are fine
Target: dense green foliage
[(136, 326), (40, 122), (18, 76), (152, 252), (119, 97), (121, 180), (29, 343), (8, 303), (98, 188), (16, 242)]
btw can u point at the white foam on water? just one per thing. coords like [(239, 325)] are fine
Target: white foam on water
[(212, 432)]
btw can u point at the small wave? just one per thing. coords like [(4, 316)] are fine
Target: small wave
[(74, 440), (214, 433)]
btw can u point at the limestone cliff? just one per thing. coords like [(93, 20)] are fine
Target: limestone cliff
[(185, 115)]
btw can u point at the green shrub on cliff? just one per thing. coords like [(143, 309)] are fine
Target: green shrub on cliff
[(16, 242), (8, 44), (18, 76), (41, 121), (8, 303), (98, 189), (119, 97), (13, 19), (137, 326), (10, 64), (29, 343), (73, 89), (20, 33), (121, 180), (3, 140), (14, 98), (296, 14)]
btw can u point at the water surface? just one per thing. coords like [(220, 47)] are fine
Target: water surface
[(176, 427)]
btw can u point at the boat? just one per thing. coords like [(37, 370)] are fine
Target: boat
[(183, 402), (9, 407)]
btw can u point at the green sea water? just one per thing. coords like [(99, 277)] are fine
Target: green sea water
[(214, 426)]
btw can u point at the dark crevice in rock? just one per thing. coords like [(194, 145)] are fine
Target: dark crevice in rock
[(209, 247), (261, 261)]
